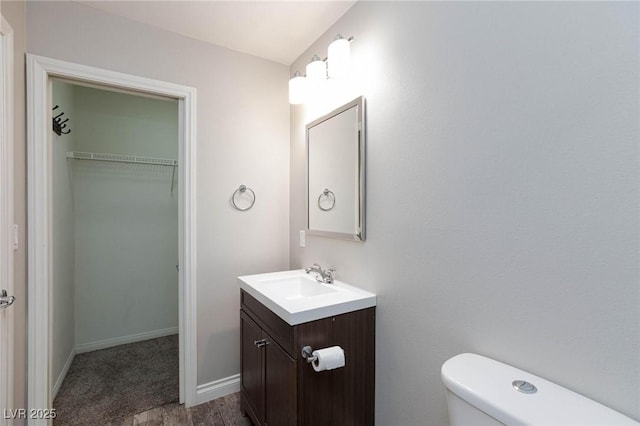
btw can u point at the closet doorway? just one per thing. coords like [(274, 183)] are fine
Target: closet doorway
[(114, 311), (111, 232)]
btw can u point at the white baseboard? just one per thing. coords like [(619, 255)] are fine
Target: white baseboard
[(103, 344), (62, 375), (217, 389)]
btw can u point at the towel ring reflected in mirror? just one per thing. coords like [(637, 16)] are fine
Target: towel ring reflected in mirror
[(241, 190), (329, 195)]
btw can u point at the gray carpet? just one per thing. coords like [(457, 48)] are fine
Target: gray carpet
[(111, 384)]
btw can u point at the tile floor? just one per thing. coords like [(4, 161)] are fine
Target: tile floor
[(224, 411)]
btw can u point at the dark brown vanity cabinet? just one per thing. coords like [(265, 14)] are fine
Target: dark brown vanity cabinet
[(268, 377), (279, 387)]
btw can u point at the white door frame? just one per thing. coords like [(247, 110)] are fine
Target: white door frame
[(6, 214), (39, 73)]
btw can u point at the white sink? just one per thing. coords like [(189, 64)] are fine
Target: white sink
[(297, 297)]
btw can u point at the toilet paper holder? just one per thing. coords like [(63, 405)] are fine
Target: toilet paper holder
[(307, 353)]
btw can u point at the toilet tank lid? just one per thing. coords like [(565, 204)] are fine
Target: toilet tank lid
[(487, 385)]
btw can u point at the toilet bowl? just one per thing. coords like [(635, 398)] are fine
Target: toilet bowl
[(484, 392)]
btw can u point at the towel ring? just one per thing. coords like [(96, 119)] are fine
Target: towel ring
[(241, 190), (326, 193)]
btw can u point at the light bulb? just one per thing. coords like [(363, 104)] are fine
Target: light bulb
[(297, 89), (317, 69), (339, 57)]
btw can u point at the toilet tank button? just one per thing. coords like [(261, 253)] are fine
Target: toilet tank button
[(524, 387)]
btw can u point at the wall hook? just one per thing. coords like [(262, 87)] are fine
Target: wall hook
[(59, 124)]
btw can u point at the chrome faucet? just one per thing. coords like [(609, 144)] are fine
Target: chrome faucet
[(323, 276)]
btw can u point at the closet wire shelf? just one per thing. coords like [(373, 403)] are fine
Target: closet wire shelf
[(116, 158), (133, 159)]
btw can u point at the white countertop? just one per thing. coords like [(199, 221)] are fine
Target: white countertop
[(297, 297)]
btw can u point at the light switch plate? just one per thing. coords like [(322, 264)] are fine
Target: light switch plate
[(303, 241)]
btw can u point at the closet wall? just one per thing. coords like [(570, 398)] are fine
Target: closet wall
[(126, 220), (63, 253), (123, 227)]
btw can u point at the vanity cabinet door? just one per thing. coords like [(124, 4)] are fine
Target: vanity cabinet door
[(252, 369), (280, 386)]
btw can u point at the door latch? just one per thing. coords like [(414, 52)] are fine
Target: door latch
[(5, 301)]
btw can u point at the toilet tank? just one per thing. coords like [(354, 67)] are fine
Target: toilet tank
[(482, 391)]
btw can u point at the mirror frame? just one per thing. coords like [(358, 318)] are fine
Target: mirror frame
[(359, 234)]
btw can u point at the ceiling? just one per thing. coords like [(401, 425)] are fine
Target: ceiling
[(276, 30)]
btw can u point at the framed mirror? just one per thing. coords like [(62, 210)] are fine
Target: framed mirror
[(336, 173)]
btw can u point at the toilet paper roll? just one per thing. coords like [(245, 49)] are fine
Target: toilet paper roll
[(328, 358)]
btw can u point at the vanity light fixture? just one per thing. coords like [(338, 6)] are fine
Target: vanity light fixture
[(297, 89), (316, 69), (338, 56), (337, 65)]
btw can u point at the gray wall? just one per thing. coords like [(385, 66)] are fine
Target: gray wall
[(242, 138), (502, 194)]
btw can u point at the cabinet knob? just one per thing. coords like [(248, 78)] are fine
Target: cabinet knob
[(261, 343)]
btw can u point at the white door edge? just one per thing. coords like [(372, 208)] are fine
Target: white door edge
[(6, 215)]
